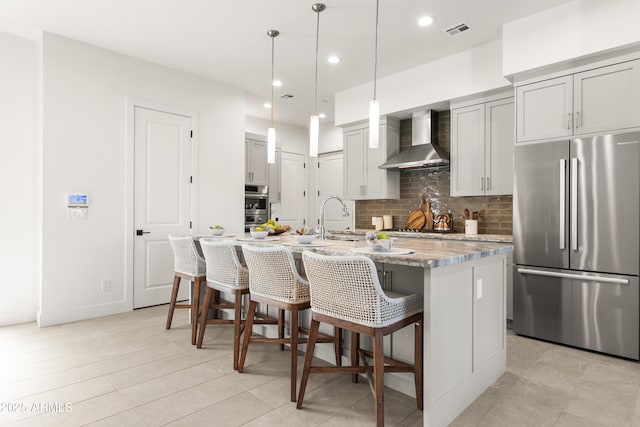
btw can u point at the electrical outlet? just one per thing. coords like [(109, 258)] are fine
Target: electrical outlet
[(479, 289), (106, 285)]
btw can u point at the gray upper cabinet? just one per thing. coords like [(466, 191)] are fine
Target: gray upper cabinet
[(482, 149), (598, 100), (544, 109), (256, 170), (363, 179), (607, 98)]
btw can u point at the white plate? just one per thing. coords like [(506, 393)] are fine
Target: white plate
[(306, 245), (251, 239), (221, 236), (392, 251)]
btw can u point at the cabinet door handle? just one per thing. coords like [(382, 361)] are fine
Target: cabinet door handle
[(568, 120), (364, 190), (488, 183), (578, 119), (482, 183)]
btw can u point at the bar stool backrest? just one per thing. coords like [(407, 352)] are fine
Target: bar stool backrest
[(273, 274), (186, 258), (347, 288), (223, 264)]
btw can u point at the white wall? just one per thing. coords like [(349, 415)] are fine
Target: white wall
[(470, 72), (572, 30), (18, 180), (86, 147)]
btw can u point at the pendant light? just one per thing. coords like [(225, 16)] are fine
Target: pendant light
[(374, 106), (314, 123), (271, 133)]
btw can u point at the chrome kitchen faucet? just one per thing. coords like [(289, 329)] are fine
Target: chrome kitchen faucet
[(345, 212)]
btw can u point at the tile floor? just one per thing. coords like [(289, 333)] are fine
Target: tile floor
[(127, 370)]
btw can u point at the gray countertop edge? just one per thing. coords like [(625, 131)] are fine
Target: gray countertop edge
[(412, 260), (498, 238)]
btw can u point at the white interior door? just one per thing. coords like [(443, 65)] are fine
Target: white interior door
[(330, 181), (293, 190), (162, 201)]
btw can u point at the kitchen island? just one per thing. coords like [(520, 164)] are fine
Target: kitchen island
[(463, 284)]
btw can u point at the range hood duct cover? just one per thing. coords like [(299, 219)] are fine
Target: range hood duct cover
[(424, 152)]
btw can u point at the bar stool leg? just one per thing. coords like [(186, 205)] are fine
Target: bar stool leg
[(378, 373), (337, 344), (281, 326), (174, 298), (293, 321), (418, 359), (355, 356), (203, 316), (248, 327), (308, 356), (236, 328), (194, 309)]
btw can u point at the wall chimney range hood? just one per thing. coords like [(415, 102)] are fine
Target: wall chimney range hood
[(424, 152)]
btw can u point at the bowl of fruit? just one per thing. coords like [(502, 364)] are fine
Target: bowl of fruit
[(304, 236), (379, 241), (216, 230), (274, 228), (258, 232)]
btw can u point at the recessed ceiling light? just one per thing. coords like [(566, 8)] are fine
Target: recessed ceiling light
[(322, 115), (425, 21), (267, 105), (333, 59), (277, 83)]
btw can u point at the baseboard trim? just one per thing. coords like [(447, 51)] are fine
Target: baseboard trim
[(17, 317), (54, 317)]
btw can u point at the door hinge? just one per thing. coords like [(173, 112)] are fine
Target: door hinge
[(191, 179), (190, 225), (304, 165), (304, 221), (318, 165), (318, 193), (304, 194), (191, 134)]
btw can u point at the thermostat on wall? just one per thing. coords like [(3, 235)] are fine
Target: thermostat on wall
[(78, 200)]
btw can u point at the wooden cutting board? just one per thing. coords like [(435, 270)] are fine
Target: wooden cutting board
[(428, 215), (416, 219)]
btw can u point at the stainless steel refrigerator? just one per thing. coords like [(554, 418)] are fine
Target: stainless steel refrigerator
[(576, 236)]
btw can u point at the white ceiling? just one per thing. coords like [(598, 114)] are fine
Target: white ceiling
[(227, 41)]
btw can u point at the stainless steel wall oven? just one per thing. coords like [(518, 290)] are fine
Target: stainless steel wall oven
[(256, 205)]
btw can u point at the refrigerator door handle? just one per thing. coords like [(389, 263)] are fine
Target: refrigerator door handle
[(574, 203), (573, 276), (562, 219)]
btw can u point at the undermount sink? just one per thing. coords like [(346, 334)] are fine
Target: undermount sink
[(344, 237)]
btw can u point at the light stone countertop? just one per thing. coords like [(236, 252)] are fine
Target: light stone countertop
[(499, 238), (428, 253)]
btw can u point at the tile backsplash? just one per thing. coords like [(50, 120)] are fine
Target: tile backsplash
[(496, 212)]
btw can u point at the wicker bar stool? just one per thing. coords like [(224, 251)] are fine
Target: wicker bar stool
[(346, 292), (275, 281), (188, 265), (225, 273)]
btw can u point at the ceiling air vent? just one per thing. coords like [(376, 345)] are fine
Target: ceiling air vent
[(286, 96), (457, 29)]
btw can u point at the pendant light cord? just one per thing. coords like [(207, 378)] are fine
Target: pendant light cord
[(273, 107), (315, 95), (375, 55)]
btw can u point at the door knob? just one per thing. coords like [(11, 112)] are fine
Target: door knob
[(141, 232)]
